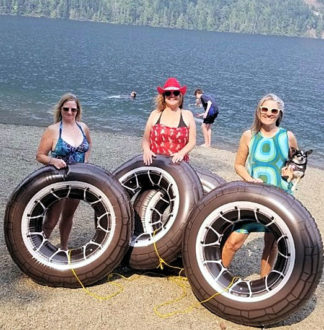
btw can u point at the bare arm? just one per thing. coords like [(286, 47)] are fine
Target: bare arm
[(147, 153), (45, 146), (287, 172), (292, 140), (241, 157), (204, 114), (209, 103), (87, 134)]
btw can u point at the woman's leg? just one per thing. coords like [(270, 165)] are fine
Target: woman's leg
[(70, 205), (232, 244), (269, 254), (52, 218)]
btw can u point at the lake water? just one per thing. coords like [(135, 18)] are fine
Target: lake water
[(41, 59)]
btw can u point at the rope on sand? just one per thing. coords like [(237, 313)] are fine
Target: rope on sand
[(180, 281), (110, 277)]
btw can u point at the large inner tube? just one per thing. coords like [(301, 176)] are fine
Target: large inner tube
[(170, 191), (296, 271), (150, 206), (102, 249), (209, 180)]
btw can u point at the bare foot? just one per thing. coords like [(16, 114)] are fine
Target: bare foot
[(205, 145)]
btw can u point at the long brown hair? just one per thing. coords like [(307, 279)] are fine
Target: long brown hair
[(256, 125), (57, 109)]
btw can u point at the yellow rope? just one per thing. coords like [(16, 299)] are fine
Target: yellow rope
[(188, 309), (110, 276), (182, 282), (161, 261)]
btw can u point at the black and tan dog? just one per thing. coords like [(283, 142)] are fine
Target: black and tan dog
[(295, 166)]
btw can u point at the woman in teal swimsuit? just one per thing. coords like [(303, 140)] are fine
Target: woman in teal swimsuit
[(67, 141), (261, 155)]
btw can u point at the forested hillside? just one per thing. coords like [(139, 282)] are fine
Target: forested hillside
[(277, 17)]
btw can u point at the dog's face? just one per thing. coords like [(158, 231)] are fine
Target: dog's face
[(295, 166), (299, 156)]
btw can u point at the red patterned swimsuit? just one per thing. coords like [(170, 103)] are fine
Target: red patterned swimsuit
[(165, 140)]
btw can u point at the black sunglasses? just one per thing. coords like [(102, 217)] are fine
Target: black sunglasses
[(265, 110), (169, 93), (66, 109)]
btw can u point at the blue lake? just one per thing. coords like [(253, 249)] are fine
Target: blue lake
[(41, 59)]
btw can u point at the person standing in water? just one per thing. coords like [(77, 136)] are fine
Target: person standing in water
[(209, 115)]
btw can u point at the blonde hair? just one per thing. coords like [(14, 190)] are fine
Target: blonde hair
[(256, 125), (160, 102), (58, 107)]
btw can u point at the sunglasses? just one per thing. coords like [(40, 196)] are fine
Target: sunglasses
[(169, 93), (265, 110), (66, 109)]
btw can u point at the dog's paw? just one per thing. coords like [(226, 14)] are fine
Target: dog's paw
[(287, 173)]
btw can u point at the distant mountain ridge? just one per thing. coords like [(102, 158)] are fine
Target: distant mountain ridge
[(302, 18)]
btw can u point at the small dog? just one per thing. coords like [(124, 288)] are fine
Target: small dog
[(295, 166)]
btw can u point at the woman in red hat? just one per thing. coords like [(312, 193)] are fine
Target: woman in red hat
[(169, 130)]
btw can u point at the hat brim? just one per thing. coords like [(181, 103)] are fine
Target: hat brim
[(182, 89)]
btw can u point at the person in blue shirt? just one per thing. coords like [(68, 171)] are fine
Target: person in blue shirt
[(209, 115)]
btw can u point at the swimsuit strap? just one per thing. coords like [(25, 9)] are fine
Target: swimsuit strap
[(61, 127), (60, 130), (158, 121), (80, 129), (181, 121)]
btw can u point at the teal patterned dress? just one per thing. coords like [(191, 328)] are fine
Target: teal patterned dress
[(267, 156)]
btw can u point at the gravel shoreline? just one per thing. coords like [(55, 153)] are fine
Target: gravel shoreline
[(27, 305)]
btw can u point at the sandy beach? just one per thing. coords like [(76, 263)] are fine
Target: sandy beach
[(25, 304)]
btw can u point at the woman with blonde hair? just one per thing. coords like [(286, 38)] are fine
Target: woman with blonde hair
[(262, 153), (65, 142)]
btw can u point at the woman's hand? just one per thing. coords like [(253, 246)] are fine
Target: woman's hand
[(148, 157), (256, 180), (58, 163), (177, 157)]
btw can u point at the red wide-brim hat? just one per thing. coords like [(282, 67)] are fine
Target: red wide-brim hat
[(172, 84)]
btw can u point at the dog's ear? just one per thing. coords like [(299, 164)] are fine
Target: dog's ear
[(292, 151), (309, 152)]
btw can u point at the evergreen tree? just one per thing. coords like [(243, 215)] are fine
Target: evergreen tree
[(289, 17)]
